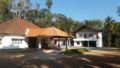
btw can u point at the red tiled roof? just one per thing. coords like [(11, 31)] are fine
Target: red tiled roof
[(23, 27), (16, 26)]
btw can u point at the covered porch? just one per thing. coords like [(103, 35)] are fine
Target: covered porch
[(46, 38)]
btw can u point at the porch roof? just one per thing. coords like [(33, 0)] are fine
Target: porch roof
[(47, 32)]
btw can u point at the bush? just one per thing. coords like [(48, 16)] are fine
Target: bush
[(75, 51)]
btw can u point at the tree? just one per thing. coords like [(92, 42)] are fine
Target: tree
[(109, 29), (96, 24), (118, 11), (116, 33), (49, 4), (21, 7), (38, 17), (49, 15), (5, 10), (66, 24)]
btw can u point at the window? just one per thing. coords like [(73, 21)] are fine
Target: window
[(80, 35), (17, 41), (90, 35), (78, 43), (0, 41), (55, 41), (64, 43), (85, 35)]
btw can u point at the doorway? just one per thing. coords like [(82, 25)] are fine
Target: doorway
[(89, 43), (44, 43), (92, 43), (85, 43), (32, 42)]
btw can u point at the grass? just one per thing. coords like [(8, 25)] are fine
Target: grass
[(78, 51)]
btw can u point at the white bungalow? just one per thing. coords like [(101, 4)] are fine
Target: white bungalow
[(13, 33), (17, 33), (88, 37)]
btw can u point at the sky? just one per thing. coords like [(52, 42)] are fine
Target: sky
[(81, 10)]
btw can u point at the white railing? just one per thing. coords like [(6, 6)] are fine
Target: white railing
[(93, 37)]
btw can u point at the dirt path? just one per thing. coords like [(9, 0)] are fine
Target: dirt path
[(92, 59), (103, 53)]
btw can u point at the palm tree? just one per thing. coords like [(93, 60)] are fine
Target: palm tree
[(49, 4), (109, 29), (49, 15)]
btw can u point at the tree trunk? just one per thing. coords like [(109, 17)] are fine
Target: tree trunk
[(109, 40)]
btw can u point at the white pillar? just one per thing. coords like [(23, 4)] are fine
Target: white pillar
[(39, 42), (75, 43), (99, 41)]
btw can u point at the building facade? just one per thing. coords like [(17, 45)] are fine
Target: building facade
[(87, 37)]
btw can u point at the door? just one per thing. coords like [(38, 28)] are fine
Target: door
[(85, 43)]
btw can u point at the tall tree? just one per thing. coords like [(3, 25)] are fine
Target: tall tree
[(49, 15), (118, 11), (116, 34), (109, 29), (21, 7), (49, 4)]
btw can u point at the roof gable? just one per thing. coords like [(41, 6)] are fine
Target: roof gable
[(87, 28), (16, 26)]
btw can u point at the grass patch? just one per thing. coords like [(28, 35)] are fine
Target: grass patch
[(78, 51)]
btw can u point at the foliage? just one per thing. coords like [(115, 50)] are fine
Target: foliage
[(118, 11), (65, 23), (75, 51), (4, 10), (49, 13), (49, 3), (111, 35), (108, 30), (96, 24)]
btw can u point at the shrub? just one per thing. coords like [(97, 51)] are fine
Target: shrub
[(75, 51)]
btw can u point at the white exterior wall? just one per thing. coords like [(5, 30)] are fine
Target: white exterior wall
[(93, 38), (75, 44), (6, 42), (99, 42)]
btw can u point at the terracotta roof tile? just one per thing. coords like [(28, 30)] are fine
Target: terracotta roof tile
[(20, 27), (49, 32), (16, 26)]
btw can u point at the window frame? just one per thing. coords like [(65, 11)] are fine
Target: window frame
[(17, 41)]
